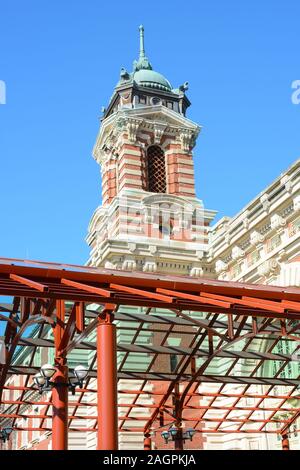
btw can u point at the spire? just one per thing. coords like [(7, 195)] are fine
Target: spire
[(142, 42), (143, 62)]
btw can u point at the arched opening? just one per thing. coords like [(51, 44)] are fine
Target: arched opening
[(156, 170)]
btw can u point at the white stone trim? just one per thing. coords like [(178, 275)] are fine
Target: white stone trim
[(129, 171), (186, 171), (125, 151)]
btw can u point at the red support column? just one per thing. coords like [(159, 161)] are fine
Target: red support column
[(147, 442), (178, 444), (60, 391), (60, 410), (107, 384), (285, 442)]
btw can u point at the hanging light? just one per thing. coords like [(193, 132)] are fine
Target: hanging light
[(42, 379), (175, 433), (72, 378), (5, 433), (39, 381), (8, 431), (73, 381), (166, 435), (81, 372), (48, 370), (75, 378), (189, 433)]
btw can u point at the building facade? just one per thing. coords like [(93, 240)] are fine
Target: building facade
[(151, 220), (261, 245)]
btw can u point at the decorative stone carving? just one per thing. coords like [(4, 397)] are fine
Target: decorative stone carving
[(129, 264), (282, 256), (277, 221), (110, 265), (256, 238), (129, 125), (200, 254), (153, 249), (227, 238), (150, 267), (184, 87), (265, 202), (289, 186), (101, 155), (286, 181), (237, 253), (243, 218), (131, 247), (220, 266), (268, 267), (107, 152), (296, 202), (187, 138), (124, 75), (196, 271), (246, 223), (120, 124), (132, 128), (159, 130)]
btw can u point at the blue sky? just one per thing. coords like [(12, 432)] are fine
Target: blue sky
[(60, 61)]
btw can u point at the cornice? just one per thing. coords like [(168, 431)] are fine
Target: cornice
[(157, 119), (264, 223), (265, 202)]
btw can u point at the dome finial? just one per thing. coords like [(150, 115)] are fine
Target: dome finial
[(143, 62), (142, 42)]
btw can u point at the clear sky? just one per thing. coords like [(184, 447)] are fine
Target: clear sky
[(60, 61)]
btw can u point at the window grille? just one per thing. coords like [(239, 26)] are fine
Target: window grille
[(156, 170)]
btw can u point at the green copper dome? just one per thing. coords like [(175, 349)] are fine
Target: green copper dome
[(151, 79), (143, 74)]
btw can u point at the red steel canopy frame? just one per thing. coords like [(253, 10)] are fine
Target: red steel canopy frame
[(242, 323)]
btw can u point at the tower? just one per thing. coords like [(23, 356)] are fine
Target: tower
[(150, 219)]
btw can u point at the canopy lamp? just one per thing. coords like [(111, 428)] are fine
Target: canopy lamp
[(5, 433), (75, 378), (174, 433)]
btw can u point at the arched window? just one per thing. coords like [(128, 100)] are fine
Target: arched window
[(156, 170)]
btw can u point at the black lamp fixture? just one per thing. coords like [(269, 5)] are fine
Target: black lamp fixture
[(5, 433), (42, 378), (76, 378), (173, 434)]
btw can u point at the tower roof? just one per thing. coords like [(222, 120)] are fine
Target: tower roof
[(151, 79), (146, 87), (143, 74)]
